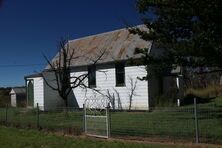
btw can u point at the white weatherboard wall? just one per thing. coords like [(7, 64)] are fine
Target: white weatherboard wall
[(52, 100), (38, 91), (47, 98), (106, 81), (13, 100)]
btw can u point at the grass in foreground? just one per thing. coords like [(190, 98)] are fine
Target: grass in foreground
[(20, 138), (175, 123)]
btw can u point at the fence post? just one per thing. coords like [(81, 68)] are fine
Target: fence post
[(196, 121), (6, 114), (108, 120), (84, 128), (38, 115)]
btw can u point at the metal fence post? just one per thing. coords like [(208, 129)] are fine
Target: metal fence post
[(196, 121), (38, 115), (6, 114), (84, 128)]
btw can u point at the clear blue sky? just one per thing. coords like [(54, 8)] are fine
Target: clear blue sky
[(30, 27)]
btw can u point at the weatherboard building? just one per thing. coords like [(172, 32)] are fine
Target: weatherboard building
[(112, 74)]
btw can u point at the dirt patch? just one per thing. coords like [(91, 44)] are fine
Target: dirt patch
[(165, 141), (156, 140)]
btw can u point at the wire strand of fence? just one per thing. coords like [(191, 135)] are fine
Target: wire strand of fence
[(162, 122)]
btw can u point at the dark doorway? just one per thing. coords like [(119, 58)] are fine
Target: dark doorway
[(30, 93)]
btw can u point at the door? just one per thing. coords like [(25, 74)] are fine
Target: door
[(30, 93)]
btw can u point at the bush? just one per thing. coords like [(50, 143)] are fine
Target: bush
[(165, 101), (189, 99), (208, 92), (4, 97)]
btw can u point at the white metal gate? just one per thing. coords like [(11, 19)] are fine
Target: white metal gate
[(96, 118)]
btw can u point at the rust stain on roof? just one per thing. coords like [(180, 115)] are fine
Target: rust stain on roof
[(121, 53), (119, 45)]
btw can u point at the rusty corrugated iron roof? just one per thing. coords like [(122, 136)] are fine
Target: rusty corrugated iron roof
[(118, 45)]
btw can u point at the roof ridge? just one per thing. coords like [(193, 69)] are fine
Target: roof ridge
[(98, 34), (114, 41), (103, 33)]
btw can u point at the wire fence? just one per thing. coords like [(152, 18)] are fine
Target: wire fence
[(67, 120), (173, 123)]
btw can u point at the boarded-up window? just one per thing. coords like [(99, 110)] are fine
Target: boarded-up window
[(92, 76), (120, 74)]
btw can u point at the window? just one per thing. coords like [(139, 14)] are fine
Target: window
[(120, 74), (92, 76)]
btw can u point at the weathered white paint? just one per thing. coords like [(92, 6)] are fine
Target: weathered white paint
[(46, 98), (52, 100), (106, 81), (13, 100), (38, 91)]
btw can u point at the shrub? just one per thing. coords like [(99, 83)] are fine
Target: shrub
[(4, 97), (165, 101), (189, 99), (208, 92)]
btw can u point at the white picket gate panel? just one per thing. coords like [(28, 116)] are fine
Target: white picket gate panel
[(96, 117)]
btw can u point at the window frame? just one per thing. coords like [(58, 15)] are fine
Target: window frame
[(92, 75), (120, 70)]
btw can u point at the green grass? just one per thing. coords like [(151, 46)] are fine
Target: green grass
[(56, 120), (179, 125), (20, 138), (175, 123)]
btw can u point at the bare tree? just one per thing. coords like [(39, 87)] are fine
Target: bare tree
[(60, 68), (111, 98), (132, 91), (118, 100)]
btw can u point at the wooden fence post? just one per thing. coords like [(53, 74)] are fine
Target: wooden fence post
[(84, 124), (108, 121), (196, 121), (6, 114), (38, 115)]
